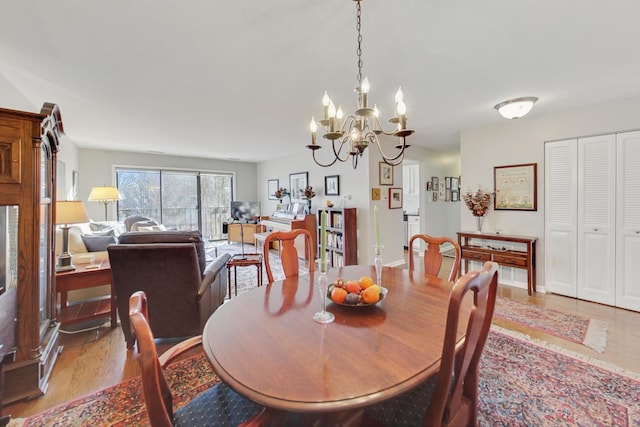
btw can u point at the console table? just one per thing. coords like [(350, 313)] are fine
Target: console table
[(494, 251)]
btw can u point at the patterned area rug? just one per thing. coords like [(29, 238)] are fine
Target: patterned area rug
[(522, 383), (123, 404), (590, 332)]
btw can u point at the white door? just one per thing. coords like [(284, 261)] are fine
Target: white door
[(628, 221), (596, 218), (560, 194)]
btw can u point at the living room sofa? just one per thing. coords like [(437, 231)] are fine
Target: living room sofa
[(171, 267)]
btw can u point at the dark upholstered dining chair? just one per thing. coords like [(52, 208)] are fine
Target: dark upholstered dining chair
[(288, 251), (432, 255), (218, 406), (450, 398)]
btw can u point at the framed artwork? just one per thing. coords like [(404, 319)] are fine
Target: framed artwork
[(434, 183), (455, 183), (515, 187), (447, 195), (428, 185), (441, 190), (386, 174), (297, 183), (272, 187), (375, 193), (447, 182), (332, 185), (455, 196), (395, 198), (434, 196)]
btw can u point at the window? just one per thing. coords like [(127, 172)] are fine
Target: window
[(180, 200)]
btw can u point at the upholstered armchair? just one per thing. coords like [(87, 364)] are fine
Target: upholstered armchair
[(171, 268)]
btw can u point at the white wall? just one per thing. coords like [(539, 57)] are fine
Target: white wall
[(436, 218), (522, 141)]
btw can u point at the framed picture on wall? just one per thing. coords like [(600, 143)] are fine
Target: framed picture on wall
[(434, 183), (386, 174), (455, 183), (272, 187), (428, 185), (297, 183), (332, 185), (455, 196), (395, 198), (516, 187)]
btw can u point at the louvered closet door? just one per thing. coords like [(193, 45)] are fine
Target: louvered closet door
[(596, 219), (628, 221), (560, 192)]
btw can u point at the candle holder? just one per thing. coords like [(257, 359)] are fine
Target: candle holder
[(377, 262), (323, 316)]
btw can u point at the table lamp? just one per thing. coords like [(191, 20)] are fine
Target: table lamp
[(68, 212), (104, 195)]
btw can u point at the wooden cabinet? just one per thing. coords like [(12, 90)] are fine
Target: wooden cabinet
[(490, 247), (28, 148), (243, 232), (342, 240)]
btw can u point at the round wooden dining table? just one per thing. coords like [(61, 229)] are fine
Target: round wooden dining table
[(266, 346)]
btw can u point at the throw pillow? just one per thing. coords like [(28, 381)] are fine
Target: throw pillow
[(137, 225), (97, 243), (99, 226)]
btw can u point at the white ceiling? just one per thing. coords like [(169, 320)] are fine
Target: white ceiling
[(241, 79)]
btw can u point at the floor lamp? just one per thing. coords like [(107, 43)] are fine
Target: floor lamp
[(68, 212), (104, 195)]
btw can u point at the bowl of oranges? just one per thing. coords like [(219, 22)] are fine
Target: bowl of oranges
[(356, 293)]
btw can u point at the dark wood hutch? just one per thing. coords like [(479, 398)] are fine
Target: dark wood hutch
[(28, 328)]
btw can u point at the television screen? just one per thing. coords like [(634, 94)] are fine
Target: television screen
[(245, 211)]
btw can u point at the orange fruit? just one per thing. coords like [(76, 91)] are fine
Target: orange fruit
[(365, 282), (371, 295), (352, 287), (338, 295)]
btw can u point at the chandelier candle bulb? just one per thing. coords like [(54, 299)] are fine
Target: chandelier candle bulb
[(313, 127), (325, 105), (323, 237)]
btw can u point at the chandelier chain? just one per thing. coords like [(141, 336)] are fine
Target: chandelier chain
[(359, 49)]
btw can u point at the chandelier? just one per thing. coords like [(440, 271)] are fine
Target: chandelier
[(351, 135)]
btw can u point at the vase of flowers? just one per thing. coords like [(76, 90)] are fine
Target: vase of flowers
[(478, 203), (280, 193), (308, 194)]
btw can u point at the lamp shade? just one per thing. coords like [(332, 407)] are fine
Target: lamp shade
[(104, 194), (516, 108), (70, 212)]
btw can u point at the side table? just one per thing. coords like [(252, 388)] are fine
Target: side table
[(83, 277), (243, 260)]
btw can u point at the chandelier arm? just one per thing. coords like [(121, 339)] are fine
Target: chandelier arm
[(381, 129), (324, 165), (390, 160), (337, 152)]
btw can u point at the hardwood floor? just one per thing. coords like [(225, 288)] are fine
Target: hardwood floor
[(87, 365)]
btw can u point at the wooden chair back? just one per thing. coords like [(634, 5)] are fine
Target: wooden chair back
[(455, 403), (288, 251), (157, 395), (432, 255)]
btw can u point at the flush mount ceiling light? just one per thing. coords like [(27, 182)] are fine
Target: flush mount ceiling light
[(351, 135), (516, 108)]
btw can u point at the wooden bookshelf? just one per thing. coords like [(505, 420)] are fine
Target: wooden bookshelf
[(342, 240)]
